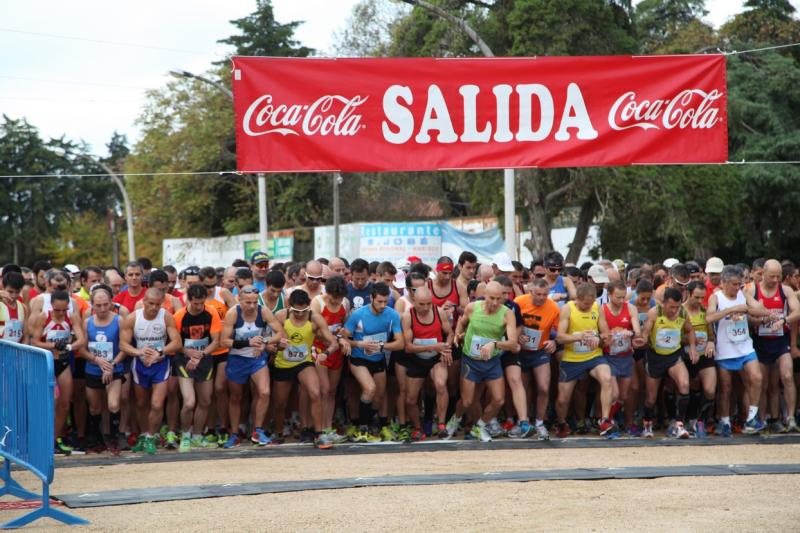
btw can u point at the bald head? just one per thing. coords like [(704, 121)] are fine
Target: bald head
[(613, 274), (422, 295), (494, 288), (314, 269), (337, 265), (773, 274), (154, 294), (485, 272), (772, 265)]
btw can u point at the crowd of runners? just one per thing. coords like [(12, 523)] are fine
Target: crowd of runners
[(332, 351)]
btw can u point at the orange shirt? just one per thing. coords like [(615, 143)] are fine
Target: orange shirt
[(197, 327), (543, 318)]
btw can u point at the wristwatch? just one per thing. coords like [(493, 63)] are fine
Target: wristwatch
[(381, 345), (68, 347)]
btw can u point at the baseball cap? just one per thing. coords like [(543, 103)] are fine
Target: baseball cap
[(598, 274), (503, 262), (619, 264), (693, 267), (72, 269), (258, 257), (671, 262), (414, 259), (714, 265)]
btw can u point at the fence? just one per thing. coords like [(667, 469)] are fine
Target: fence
[(27, 385)]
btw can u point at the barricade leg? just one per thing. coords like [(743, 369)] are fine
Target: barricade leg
[(45, 511), (10, 486)]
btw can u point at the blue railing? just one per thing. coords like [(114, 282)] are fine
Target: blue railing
[(27, 389)]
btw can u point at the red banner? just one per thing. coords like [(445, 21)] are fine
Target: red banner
[(304, 115)]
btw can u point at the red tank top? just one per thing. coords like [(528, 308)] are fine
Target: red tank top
[(335, 322), (775, 302), (451, 297), (52, 325), (427, 331), (620, 346)]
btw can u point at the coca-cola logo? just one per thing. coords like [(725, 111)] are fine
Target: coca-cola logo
[(327, 115), (690, 108)]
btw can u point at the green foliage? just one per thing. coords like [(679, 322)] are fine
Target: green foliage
[(662, 23), (262, 35)]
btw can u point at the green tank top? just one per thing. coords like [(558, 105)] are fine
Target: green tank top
[(483, 329)]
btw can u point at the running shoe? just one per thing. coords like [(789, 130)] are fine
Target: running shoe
[(139, 445), (526, 428), (647, 431), (324, 441), (61, 447), (200, 442), (306, 436), (336, 438), (171, 440), (606, 426), (700, 430), (737, 426), (417, 436), (442, 431), (113, 446), (365, 437), (581, 428), (633, 430), (351, 431), (150, 445), (754, 426), (791, 425), (210, 439), (723, 430), (480, 433), (427, 427), (452, 425), (222, 438), (542, 433), (563, 430), (495, 429), (508, 425), (680, 431), (132, 439), (186, 444), (515, 432), (403, 433), (163, 431), (777, 427), (671, 429), (387, 435), (259, 437), (232, 442)]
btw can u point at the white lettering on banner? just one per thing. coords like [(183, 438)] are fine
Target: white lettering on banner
[(399, 124), (675, 113), (316, 118)]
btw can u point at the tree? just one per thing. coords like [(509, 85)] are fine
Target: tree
[(660, 23), (262, 35)]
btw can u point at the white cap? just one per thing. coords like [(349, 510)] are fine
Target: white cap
[(72, 269), (503, 262), (671, 262), (714, 265), (400, 280), (598, 274)]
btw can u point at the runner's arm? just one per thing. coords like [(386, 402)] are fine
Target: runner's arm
[(37, 330), (126, 337), (175, 343), (562, 337), (510, 343), (712, 314), (226, 337), (446, 327), (323, 333), (794, 305), (463, 322), (572, 293)]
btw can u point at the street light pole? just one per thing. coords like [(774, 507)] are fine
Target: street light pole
[(262, 179), (337, 180)]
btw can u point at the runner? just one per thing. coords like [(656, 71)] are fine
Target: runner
[(272, 297), (90, 276), (12, 310), (135, 291), (60, 331), (39, 268), (540, 316), (624, 336), (773, 345), (579, 328), (105, 372), (229, 279), (369, 328), (714, 268), (467, 265), (314, 280), (359, 290), (219, 298), (248, 330), (703, 374), (149, 336), (678, 279), (428, 337), (199, 326), (512, 371), (297, 361), (481, 332), (332, 307), (597, 276), (728, 310), (259, 265), (561, 288), (338, 266), (113, 279)]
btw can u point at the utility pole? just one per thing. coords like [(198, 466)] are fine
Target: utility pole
[(337, 180)]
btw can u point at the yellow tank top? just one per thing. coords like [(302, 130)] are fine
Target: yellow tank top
[(578, 352), (665, 338), (700, 327), (301, 339)]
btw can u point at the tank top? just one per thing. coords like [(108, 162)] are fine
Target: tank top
[(559, 288), (150, 333), (54, 331), (776, 302), (426, 334), (732, 332), (620, 345), (301, 340), (579, 321), (483, 329), (700, 327), (665, 337), (103, 343), (279, 303), (452, 297), (334, 320), (12, 322), (243, 331)]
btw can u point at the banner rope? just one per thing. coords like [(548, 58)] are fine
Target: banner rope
[(739, 52)]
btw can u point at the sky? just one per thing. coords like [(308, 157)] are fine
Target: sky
[(81, 69)]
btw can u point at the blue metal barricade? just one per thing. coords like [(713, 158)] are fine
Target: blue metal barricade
[(27, 392)]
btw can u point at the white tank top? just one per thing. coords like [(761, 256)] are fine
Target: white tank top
[(733, 336), (150, 333), (47, 303), (217, 295)]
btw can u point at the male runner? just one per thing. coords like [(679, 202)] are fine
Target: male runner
[(259, 264), (359, 290), (135, 290), (704, 371)]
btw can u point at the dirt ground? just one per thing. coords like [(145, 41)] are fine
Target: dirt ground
[(766, 503)]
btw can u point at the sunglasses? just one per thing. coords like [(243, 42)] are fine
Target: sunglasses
[(210, 287), (249, 290), (555, 269), (538, 275), (191, 272), (299, 311), (315, 278)]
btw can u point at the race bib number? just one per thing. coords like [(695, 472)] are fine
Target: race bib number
[(737, 330), (642, 318), (774, 328), (535, 338), (57, 334), (196, 344), (296, 353), (701, 338), (668, 339), (620, 343), (155, 345), (13, 331), (102, 349), (475, 345), (426, 342), (334, 328), (378, 337), (582, 347)]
